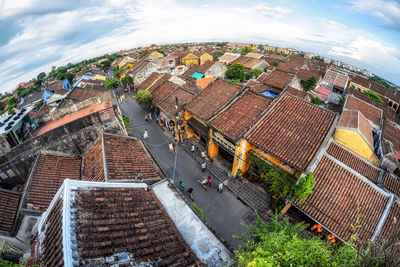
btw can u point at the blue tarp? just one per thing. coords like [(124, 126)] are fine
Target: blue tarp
[(269, 94), (46, 95), (21, 102), (67, 84), (197, 75)]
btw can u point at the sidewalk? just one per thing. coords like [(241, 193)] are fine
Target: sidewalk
[(251, 195)]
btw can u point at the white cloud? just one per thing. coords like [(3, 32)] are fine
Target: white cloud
[(386, 11)]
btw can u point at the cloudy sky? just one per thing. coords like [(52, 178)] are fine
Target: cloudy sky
[(37, 34)]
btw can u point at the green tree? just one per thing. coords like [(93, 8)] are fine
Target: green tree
[(373, 95), (236, 73), (111, 83), (105, 64), (69, 76), (277, 243), (41, 76), (304, 187), (219, 53), (276, 63), (257, 72), (246, 50), (127, 81), (117, 72), (143, 54), (310, 84), (315, 100), (144, 97), (248, 75)]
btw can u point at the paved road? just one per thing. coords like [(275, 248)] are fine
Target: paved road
[(225, 213)]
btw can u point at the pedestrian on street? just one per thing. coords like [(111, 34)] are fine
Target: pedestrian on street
[(190, 191), (171, 148), (203, 166), (181, 186), (146, 117), (220, 187), (209, 181), (145, 135), (192, 149), (150, 118), (203, 155)]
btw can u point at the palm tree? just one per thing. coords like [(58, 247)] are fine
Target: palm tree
[(127, 82)]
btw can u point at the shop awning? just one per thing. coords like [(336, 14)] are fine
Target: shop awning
[(198, 127)]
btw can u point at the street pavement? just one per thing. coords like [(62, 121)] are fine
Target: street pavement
[(225, 214)]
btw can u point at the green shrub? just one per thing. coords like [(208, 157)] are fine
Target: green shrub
[(315, 100), (373, 95), (125, 119), (199, 211), (144, 97)]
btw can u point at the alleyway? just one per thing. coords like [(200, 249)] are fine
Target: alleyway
[(225, 213)]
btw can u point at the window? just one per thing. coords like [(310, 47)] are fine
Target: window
[(390, 104), (395, 106), (353, 86), (358, 89)]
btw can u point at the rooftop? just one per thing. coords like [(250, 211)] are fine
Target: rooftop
[(292, 130), (370, 112), (163, 90), (175, 101), (241, 115), (8, 123), (158, 82), (391, 132), (49, 173), (392, 183), (337, 79), (336, 205), (276, 79), (213, 98), (9, 201)]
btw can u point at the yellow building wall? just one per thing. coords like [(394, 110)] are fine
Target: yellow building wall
[(213, 149), (189, 131), (205, 57), (240, 160), (358, 87), (356, 143), (190, 59), (154, 55)]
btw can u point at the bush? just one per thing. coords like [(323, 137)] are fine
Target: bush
[(111, 83), (199, 211), (257, 72), (125, 119), (374, 96), (236, 73), (315, 100), (304, 187), (310, 84), (144, 97)]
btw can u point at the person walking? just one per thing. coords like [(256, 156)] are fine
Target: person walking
[(150, 118), (209, 181), (192, 149), (145, 134), (203, 166), (146, 117), (171, 148), (181, 186), (190, 191), (203, 155), (220, 187)]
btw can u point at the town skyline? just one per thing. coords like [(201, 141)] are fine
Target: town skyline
[(41, 34)]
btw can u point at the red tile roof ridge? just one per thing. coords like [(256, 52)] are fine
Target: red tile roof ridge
[(366, 103)]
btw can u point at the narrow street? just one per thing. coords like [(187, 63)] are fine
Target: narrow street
[(224, 212)]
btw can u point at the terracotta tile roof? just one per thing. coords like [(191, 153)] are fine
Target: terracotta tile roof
[(80, 94), (127, 159), (372, 113), (93, 163), (213, 98), (353, 161), (348, 119), (159, 82), (287, 67), (168, 104), (276, 78), (392, 221), (162, 91), (380, 89), (192, 87), (391, 132), (9, 201), (361, 81), (149, 81), (356, 120), (228, 58), (241, 60), (259, 87), (339, 197), (204, 82), (54, 86), (113, 226), (243, 114), (292, 130), (60, 91), (252, 63), (305, 75), (51, 253), (392, 183), (254, 55), (49, 174), (295, 92), (337, 79)]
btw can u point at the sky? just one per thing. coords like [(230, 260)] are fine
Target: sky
[(38, 34)]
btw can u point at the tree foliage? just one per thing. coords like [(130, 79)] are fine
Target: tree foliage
[(246, 50), (144, 97), (236, 73), (373, 95), (105, 64), (304, 187), (127, 80), (310, 84), (277, 243), (41, 76), (315, 100), (111, 83), (276, 63), (256, 72)]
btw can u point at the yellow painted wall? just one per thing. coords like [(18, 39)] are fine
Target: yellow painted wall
[(128, 66), (189, 131), (354, 141), (205, 57), (190, 59), (154, 55), (99, 77), (212, 149), (357, 87), (125, 61), (241, 157)]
